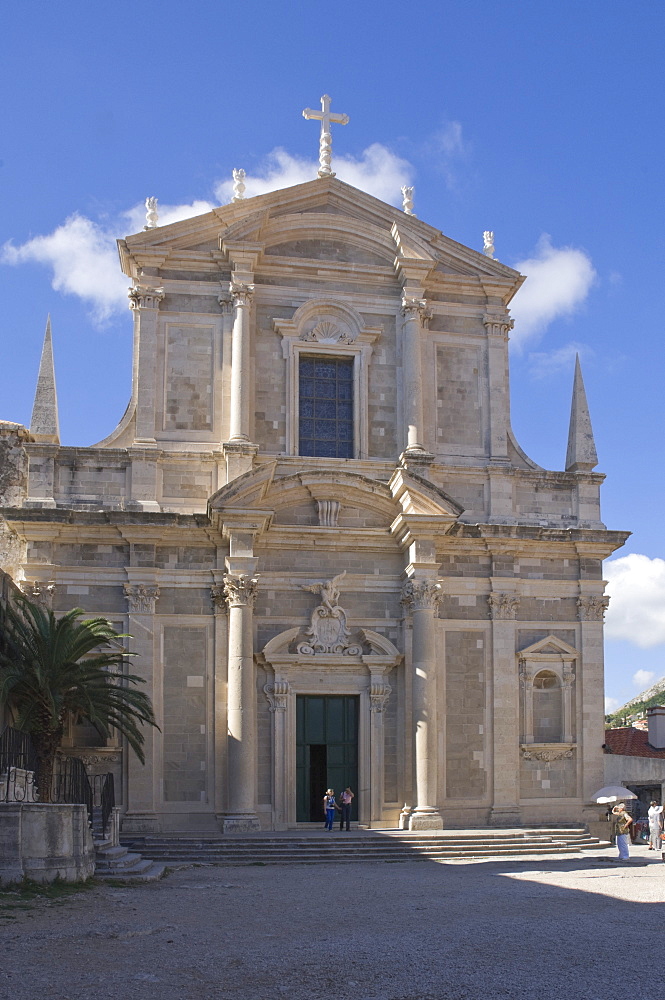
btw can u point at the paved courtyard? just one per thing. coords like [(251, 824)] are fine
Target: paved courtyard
[(577, 928)]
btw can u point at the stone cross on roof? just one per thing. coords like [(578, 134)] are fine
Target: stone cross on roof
[(326, 117)]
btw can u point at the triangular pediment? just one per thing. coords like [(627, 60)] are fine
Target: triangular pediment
[(323, 219), (549, 646)]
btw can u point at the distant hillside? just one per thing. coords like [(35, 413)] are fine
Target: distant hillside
[(636, 708)]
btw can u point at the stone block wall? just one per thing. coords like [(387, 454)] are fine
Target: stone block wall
[(465, 714), (184, 728)]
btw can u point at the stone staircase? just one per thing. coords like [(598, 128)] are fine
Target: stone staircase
[(320, 847), (117, 862)]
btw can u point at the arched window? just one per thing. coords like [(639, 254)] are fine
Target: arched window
[(547, 708)]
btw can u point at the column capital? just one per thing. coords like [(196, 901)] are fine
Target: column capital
[(241, 292), (145, 297), (39, 592), (218, 598), (503, 607), (592, 609), (414, 307), (422, 595), (240, 590), (225, 299), (141, 598), (498, 325)]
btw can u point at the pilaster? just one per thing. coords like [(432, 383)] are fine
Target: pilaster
[(498, 327), (143, 780), (144, 301), (505, 709)]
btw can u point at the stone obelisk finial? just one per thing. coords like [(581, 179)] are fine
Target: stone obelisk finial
[(581, 455), (44, 421)]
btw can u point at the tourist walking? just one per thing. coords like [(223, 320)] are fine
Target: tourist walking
[(623, 821), (655, 826), (329, 807), (346, 798)]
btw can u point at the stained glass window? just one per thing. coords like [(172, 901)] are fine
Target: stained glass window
[(326, 407)]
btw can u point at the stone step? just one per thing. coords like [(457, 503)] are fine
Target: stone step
[(147, 871), (357, 846)]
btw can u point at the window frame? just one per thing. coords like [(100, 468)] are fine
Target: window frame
[(357, 344)]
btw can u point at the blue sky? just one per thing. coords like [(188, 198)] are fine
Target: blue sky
[(541, 122)]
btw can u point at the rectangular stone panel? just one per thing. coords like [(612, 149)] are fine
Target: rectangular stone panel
[(548, 779), (458, 405), (185, 713), (188, 378), (465, 714)]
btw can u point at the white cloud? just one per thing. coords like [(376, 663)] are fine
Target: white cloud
[(378, 171), (642, 678), (82, 253), (558, 281), (84, 261), (636, 585), (547, 363), (611, 705)]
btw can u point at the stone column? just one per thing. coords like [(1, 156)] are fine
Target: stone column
[(144, 301), (240, 815), (240, 362), (526, 679), (379, 693), (416, 317), (220, 610), (506, 714), (423, 595), (143, 779)]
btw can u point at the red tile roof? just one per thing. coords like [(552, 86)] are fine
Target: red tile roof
[(630, 742)]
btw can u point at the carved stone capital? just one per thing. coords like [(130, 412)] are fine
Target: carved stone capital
[(568, 676), (379, 693), (225, 300), (422, 595), (503, 607), (592, 609), (498, 326), (141, 598), (277, 695), (145, 297), (240, 591), (241, 293), (527, 673), (39, 592), (218, 598), (415, 308)]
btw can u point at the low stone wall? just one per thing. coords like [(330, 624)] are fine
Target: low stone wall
[(43, 841)]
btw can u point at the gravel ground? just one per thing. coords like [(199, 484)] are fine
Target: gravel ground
[(564, 929)]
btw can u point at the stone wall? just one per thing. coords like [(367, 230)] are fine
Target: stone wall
[(184, 728), (465, 714)]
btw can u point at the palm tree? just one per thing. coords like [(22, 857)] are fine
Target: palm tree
[(53, 670)]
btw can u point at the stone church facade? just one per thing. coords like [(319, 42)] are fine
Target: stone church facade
[(335, 562)]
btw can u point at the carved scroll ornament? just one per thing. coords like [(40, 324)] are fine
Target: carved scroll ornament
[(328, 632)]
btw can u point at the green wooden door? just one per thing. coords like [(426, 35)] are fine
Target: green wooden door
[(326, 752)]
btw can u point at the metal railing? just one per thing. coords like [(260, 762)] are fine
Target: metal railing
[(103, 790), (18, 763), (71, 783)]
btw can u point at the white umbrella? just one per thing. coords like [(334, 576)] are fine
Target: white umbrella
[(613, 793)]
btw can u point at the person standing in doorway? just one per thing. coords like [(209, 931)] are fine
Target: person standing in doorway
[(623, 821), (329, 807), (655, 826), (346, 798)]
